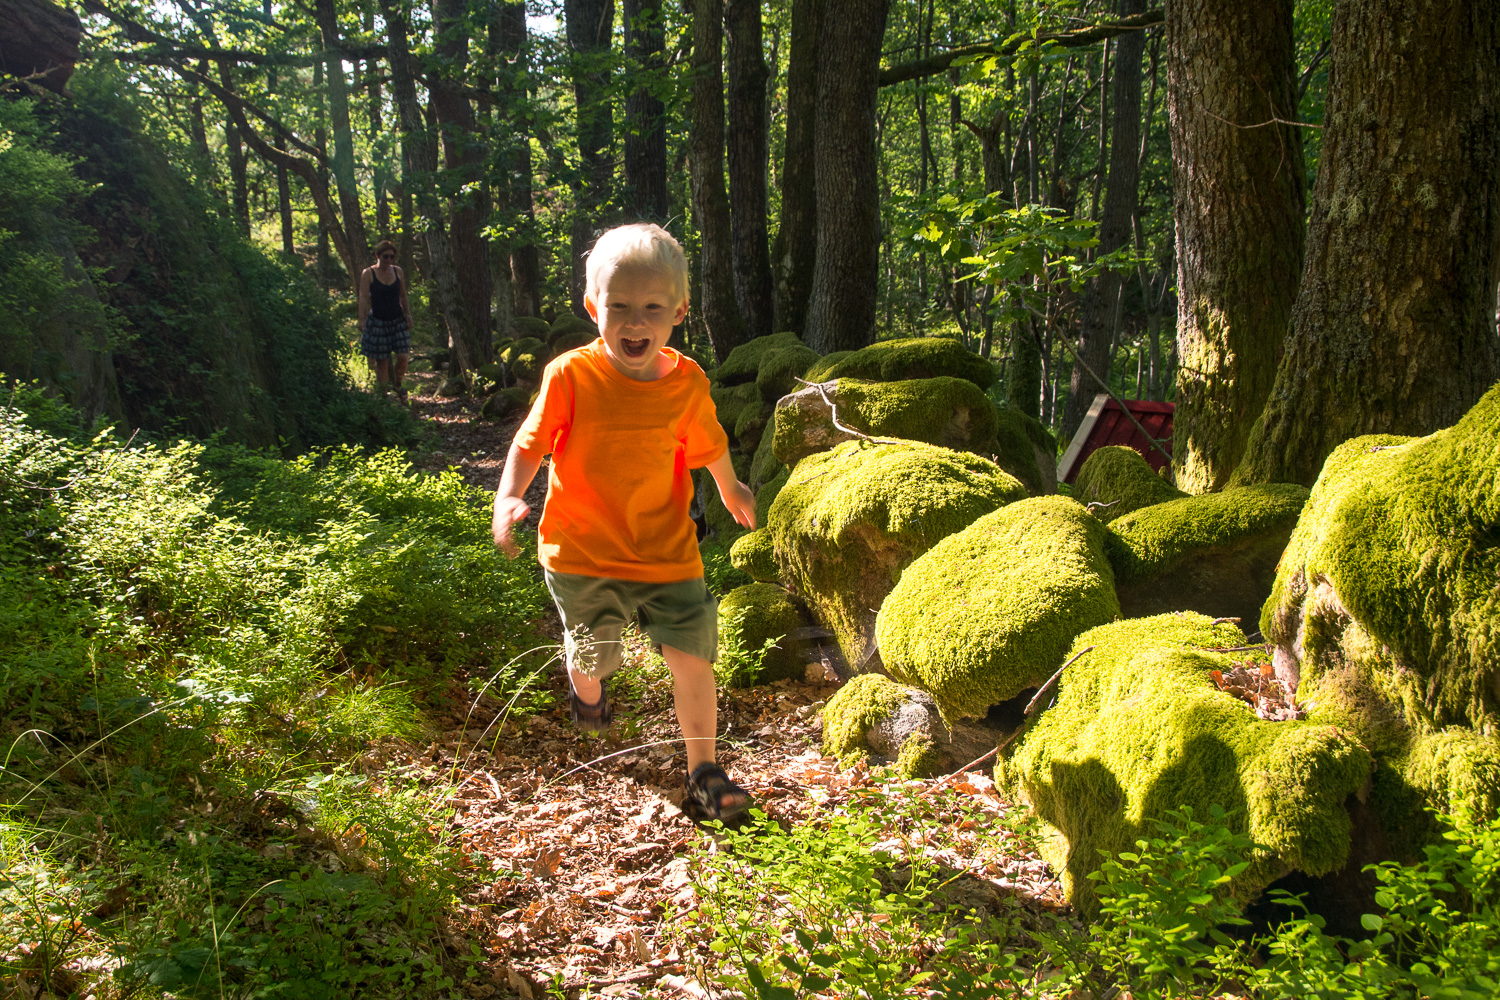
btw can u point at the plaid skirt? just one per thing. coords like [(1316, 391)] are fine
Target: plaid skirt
[(384, 337)]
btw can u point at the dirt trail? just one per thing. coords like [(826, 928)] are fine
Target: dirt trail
[(579, 849)]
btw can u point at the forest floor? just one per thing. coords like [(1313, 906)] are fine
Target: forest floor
[(580, 853)]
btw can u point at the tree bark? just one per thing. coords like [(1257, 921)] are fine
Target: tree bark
[(794, 253), (842, 311), (1121, 196), (344, 177), (1238, 188), (590, 29), (1394, 327), (421, 157), (717, 305), (239, 181), (39, 41), (645, 114), (749, 153), (513, 87), (284, 209), (464, 157)]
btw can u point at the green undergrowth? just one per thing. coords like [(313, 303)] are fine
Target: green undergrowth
[(856, 903), (207, 656)]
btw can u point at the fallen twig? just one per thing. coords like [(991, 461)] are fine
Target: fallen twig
[(833, 417), (1053, 680)]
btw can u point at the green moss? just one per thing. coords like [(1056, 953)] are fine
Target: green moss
[(1025, 449), (568, 340), (849, 521), (753, 553), (529, 326), (526, 358), (1153, 540), (569, 323), (762, 611), (951, 412), (1402, 538), (918, 757), (750, 423), (780, 369), (1139, 728), (743, 363), (910, 358), (732, 401), (492, 372), (864, 702), (506, 403), (766, 495), (765, 465), (1119, 480), (819, 371), (990, 611)]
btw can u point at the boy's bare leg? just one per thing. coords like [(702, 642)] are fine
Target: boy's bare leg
[(584, 686), (697, 701)]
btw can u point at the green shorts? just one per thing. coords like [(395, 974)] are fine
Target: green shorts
[(595, 610)]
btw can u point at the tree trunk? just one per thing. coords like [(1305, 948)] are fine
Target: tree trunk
[(1121, 196), (513, 87), (421, 157), (721, 315), (645, 114), (1394, 326), (238, 178), (284, 209), (590, 26), (39, 40), (795, 251), (381, 169), (464, 157), (842, 312), (1238, 188), (749, 152), (350, 211)]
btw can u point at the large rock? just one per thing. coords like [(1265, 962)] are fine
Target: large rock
[(754, 554), (1214, 553), (732, 402), (951, 412), (990, 611), (743, 363), (850, 520), (1115, 480), (907, 358), (873, 719), (1385, 614), (758, 613), (765, 466), (1027, 450), (529, 326), (780, 369), (1139, 728)]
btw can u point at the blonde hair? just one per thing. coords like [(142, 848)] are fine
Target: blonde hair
[(641, 244)]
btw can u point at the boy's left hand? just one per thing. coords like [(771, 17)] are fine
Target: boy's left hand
[(739, 501)]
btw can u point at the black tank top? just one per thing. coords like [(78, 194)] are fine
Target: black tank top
[(385, 300)]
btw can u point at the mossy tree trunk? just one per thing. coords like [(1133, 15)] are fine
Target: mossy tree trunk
[(590, 31), (1394, 327), (716, 303), (749, 153), (841, 315), (795, 252), (1238, 188), (645, 114)]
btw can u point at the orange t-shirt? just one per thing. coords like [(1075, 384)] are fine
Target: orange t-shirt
[(619, 489)]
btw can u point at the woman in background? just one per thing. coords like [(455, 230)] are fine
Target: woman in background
[(385, 319)]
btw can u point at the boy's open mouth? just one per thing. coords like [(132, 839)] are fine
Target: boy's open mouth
[(635, 348)]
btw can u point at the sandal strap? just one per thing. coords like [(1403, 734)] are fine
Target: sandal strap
[(595, 715), (707, 786)]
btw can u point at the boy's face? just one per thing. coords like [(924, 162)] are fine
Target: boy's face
[(636, 310)]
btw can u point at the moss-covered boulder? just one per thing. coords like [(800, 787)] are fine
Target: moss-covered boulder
[(850, 520), (1025, 449), (951, 412), (764, 466), (492, 373), (569, 323), (570, 339), (1385, 612), (754, 554), (875, 720), (766, 495), (1139, 728), (1214, 553), (743, 363), (529, 326), (732, 401), (820, 369), (1118, 481), (989, 611), (749, 425), (506, 403), (780, 369), (909, 358), (752, 615)]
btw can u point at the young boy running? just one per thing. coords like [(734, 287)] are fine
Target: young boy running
[(625, 418)]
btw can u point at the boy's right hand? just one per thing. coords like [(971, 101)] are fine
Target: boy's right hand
[(508, 510)]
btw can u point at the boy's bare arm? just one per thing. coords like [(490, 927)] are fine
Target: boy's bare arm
[(738, 499), (520, 470)]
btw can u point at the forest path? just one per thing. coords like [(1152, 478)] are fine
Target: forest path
[(579, 853)]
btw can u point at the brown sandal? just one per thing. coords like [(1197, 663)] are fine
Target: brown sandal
[(703, 795), (596, 716)]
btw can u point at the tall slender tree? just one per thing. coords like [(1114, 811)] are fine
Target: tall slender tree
[(716, 300), (794, 252), (1238, 189), (590, 33), (344, 173), (842, 311), (645, 114), (1394, 326), (749, 153), (513, 87)]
